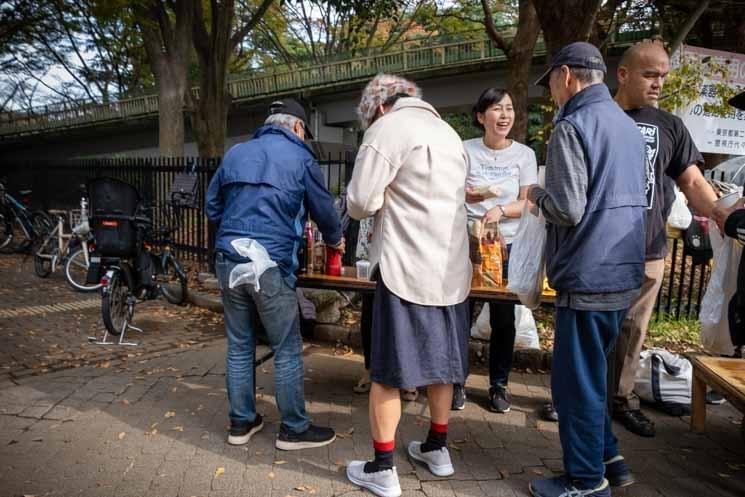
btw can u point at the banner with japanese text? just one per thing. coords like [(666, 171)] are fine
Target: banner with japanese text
[(714, 133)]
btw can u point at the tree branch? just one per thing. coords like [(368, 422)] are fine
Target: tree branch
[(683, 31), (491, 29)]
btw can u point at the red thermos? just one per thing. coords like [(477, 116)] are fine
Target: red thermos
[(333, 261)]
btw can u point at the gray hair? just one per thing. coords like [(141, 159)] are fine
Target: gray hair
[(282, 120), (587, 76)]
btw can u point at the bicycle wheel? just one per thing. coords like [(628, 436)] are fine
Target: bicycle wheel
[(173, 282), (6, 232), (17, 238), (43, 250), (114, 309), (42, 223), (76, 272)]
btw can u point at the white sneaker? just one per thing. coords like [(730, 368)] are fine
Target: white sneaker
[(438, 461), (383, 483)]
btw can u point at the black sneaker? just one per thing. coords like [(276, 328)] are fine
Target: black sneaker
[(715, 398), (548, 413), (636, 422), (499, 399), (241, 434), (459, 398), (314, 436), (618, 473)]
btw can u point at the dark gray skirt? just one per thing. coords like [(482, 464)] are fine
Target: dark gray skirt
[(416, 345)]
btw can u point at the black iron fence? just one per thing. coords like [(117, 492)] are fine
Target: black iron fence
[(57, 185), (60, 185)]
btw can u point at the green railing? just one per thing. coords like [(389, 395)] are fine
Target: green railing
[(267, 84)]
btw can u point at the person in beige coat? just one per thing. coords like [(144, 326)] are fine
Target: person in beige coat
[(410, 173)]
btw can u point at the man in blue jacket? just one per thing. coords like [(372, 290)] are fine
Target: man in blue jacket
[(259, 196), (595, 207)]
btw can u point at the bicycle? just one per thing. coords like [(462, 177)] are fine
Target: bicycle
[(73, 249), (19, 227), (132, 267)]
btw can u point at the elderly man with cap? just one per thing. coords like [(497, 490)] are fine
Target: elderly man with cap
[(261, 194), (595, 208)]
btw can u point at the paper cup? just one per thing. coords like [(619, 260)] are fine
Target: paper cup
[(363, 270)]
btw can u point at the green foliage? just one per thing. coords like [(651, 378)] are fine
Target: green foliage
[(462, 123), (684, 85), (678, 335)]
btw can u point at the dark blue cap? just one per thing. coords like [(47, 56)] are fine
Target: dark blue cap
[(577, 54), (293, 108)]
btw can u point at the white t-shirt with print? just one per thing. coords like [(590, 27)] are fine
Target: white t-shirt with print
[(508, 169)]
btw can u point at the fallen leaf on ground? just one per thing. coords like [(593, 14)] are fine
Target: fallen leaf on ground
[(723, 475), (122, 435), (346, 434), (170, 414), (219, 471), (154, 425), (125, 402), (270, 475), (454, 447), (105, 365), (280, 462), (178, 428)]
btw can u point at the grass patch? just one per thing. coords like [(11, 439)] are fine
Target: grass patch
[(675, 335)]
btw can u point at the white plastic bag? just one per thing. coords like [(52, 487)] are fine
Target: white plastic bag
[(664, 379), (722, 285), (527, 265), (249, 273), (680, 215), (526, 336)]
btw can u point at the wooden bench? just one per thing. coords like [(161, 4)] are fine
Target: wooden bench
[(725, 375)]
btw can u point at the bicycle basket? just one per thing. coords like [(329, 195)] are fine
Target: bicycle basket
[(113, 204), (185, 190)]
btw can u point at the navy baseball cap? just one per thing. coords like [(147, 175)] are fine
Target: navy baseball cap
[(738, 101), (293, 108), (577, 54)]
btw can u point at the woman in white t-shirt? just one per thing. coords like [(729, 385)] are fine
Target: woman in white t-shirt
[(499, 173)]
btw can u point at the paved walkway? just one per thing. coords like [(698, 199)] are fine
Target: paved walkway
[(151, 421), (157, 427), (44, 324)]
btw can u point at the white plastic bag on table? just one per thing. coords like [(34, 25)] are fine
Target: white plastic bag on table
[(680, 215), (249, 273), (722, 285), (527, 259), (526, 333)]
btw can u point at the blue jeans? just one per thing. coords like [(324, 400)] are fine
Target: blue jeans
[(275, 308), (583, 341)]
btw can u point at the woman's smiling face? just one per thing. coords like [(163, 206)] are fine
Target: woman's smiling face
[(499, 118)]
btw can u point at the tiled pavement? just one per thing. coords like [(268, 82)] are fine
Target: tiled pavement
[(157, 428), (44, 324), (151, 421)]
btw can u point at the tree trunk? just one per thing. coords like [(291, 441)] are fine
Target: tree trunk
[(687, 26), (519, 53), (170, 116), (210, 117), (167, 40), (520, 60), (565, 22)]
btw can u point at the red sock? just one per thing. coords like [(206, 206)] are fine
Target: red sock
[(384, 446), (438, 428)]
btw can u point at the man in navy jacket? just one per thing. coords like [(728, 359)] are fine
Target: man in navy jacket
[(262, 192)]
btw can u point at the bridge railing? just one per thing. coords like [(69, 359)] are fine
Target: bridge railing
[(262, 85)]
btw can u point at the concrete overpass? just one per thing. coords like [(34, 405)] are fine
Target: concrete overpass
[(451, 76)]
